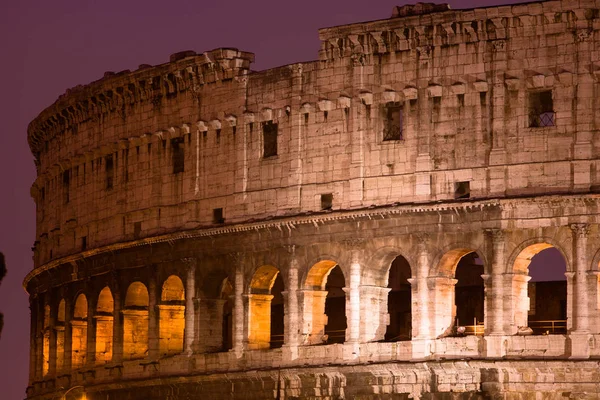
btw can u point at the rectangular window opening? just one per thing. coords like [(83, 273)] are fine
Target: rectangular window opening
[(393, 122), (83, 243), (462, 190), (137, 230), (110, 172), (269, 139), (177, 155), (218, 216), (66, 185), (326, 201), (541, 109)]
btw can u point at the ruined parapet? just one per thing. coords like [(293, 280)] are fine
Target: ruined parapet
[(410, 10)]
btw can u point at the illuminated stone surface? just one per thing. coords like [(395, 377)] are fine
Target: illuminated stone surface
[(319, 230)]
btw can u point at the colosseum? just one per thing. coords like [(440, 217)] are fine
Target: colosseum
[(356, 227)]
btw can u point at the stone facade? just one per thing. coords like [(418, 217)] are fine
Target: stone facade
[(329, 229)]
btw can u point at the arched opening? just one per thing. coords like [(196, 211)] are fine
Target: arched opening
[(399, 301), (104, 326), (540, 290), (172, 316), (265, 323), (227, 325), (459, 294), (60, 336), (46, 341), (79, 332), (325, 304), (135, 322), (469, 295)]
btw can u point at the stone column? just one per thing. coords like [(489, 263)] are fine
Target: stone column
[(353, 303), (153, 335), (520, 301), (291, 325), (374, 312), (68, 362), (238, 312), (579, 335), (580, 261), (494, 321), (90, 348), (190, 290), (52, 331), (421, 307), (117, 328), (570, 281), (494, 296), (33, 333)]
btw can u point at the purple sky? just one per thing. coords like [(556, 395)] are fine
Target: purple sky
[(49, 46)]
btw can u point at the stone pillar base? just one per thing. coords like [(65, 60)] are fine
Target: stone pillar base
[(495, 346), (289, 353), (579, 345), (351, 350), (421, 348)]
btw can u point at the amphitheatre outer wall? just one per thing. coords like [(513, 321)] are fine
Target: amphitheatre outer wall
[(174, 199)]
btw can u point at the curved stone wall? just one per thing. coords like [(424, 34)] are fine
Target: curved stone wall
[(379, 205)]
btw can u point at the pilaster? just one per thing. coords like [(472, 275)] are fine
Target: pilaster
[(190, 293)]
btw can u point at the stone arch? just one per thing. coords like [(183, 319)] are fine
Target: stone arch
[(399, 299), (61, 317), (135, 321), (380, 263), (171, 321), (104, 326), (265, 302), (323, 302), (526, 295), (79, 332), (226, 291), (458, 291)]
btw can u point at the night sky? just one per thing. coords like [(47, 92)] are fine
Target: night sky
[(49, 46)]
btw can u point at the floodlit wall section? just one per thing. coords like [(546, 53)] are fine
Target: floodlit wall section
[(189, 136)]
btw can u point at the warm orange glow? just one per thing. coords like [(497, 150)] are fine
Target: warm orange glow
[(171, 316), (259, 318), (104, 326), (315, 296), (79, 332), (135, 322)]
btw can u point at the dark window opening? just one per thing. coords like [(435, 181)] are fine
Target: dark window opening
[(137, 230), (335, 307), (251, 127), (234, 129), (83, 243), (436, 109), (399, 301), (325, 115), (66, 181), (177, 155), (483, 99), (541, 109), (306, 119), (269, 139), (277, 314), (110, 171), (126, 165), (413, 104), (218, 216), (461, 100), (469, 295), (462, 190), (393, 122), (326, 201)]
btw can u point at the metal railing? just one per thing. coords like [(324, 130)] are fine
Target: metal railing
[(548, 327)]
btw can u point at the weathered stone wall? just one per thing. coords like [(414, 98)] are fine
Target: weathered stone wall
[(462, 78), (168, 205)]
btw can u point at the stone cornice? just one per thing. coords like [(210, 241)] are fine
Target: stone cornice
[(291, 222)]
